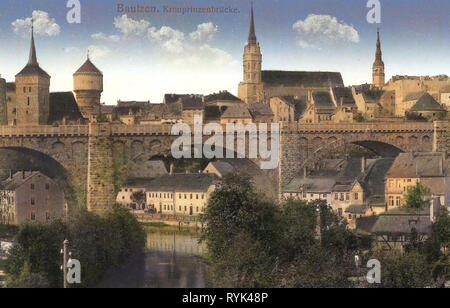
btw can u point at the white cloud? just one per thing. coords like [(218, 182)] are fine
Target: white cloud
[(169, 46), (168, 38), (100, 36), (98, 51), (129, 26), (205, 32), (43, 25), (71, 50), (317, 30)]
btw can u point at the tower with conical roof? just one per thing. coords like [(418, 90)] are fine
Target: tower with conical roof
[(251, 89), (378, 67), (32, 92), (88, 88)]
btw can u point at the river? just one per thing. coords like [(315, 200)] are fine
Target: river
[(171, 260)]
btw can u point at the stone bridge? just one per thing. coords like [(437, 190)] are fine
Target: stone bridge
[(89, 159), (305, 145)]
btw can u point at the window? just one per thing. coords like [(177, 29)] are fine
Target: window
[(32, 186), (47, 216), (356, 196), (29, 89), (33, 202), (24, 90), (28, 101), (47, 186), (185, 196), (33, 216), (336, 196), (179, 196), (347, 196), (192, 196), (196, 196)]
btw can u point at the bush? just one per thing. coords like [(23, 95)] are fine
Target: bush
[(100, 243)]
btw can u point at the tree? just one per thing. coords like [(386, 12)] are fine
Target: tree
[(253, 242), (100, 243), (242, 233), (417, 196), (409, 270)]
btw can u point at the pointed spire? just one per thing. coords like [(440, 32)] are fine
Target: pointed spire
[(32, 60), (379, 54), (252, 36)]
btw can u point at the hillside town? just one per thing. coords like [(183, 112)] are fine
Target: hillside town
[(366, 183)]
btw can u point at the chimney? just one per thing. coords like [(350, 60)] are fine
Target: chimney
[(23, 174), (363, 164), (171, 168), (305, 172)]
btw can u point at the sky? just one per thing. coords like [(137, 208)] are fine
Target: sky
[(143, 56)]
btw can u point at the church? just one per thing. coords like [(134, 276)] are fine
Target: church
[(260, 86)]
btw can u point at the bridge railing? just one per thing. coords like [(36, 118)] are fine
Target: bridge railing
[(359, 127), (120, 129), (44, 130)]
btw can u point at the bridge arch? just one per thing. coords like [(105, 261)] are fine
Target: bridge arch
[(25, 159)]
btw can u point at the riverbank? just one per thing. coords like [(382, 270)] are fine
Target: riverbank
[(179, 221)]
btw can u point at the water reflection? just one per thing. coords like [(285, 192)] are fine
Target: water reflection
[(172, 260)]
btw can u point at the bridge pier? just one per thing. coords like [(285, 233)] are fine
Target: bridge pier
[(441, 136), (100, 179)]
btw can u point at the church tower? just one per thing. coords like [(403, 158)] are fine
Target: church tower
[(32, 92), (251, 89), (378, 67), (88, 88)]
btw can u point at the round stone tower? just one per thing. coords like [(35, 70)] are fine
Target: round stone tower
[(88, 88)]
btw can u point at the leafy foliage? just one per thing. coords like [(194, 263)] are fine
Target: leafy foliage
[(409, 270), (253, 242), (417, 196), (99, 242)]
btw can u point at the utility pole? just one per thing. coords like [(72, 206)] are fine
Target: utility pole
[(65, 253)]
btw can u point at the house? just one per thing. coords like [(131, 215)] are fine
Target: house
[(193, 106), (398, 227), (180, 194), (345, 104), (427, 107), (309, 189), (346, 194), (320, 110), (431, 170), (237, 114), (30, 196), (374, 103), (353, 187), (219, 168), (223, 98), (261, 113)]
